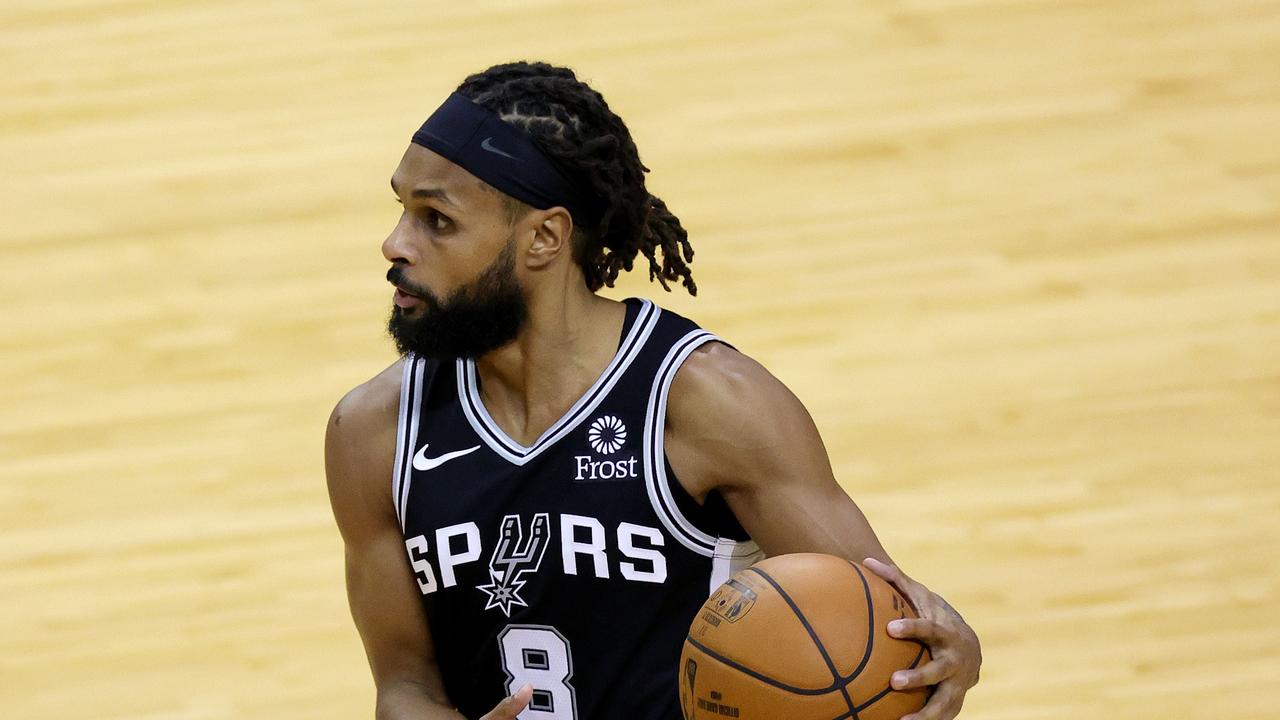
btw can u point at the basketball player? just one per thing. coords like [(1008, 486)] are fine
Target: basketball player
[(536, 499)]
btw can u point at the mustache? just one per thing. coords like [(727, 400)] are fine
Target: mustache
[(396, 277)]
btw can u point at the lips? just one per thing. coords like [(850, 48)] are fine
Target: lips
[(405, 300)]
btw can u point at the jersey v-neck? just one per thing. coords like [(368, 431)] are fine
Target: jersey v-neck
[(641, 317)]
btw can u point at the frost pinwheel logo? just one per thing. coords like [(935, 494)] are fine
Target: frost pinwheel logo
[(607, 434)]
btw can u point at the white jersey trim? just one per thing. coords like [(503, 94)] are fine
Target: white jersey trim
[(407, 433), (730, 557), (492, 435), (725, 553)]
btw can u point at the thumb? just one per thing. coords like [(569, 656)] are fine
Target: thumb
[(512, 705)]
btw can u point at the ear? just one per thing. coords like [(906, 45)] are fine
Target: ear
[(552, 230)]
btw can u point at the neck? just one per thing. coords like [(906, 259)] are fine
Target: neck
[(564, 346)]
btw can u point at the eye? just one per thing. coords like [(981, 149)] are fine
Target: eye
[(438, 222)]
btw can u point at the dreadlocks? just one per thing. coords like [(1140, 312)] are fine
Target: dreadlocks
[(574, 126)]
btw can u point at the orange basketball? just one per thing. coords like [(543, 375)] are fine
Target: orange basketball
[(800, 637)]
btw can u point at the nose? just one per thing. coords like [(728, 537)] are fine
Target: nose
[(397, 248)]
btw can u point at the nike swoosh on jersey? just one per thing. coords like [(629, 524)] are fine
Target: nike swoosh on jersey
[(422, 462)]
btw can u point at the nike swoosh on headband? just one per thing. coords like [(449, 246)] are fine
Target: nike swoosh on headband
[(487, 144), (474, 138)]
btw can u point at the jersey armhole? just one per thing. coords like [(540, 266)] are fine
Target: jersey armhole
[(727, 554), (411, 392)]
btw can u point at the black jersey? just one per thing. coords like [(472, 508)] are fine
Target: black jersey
[(575, 564)]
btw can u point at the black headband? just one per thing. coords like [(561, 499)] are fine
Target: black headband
[(501, 154)]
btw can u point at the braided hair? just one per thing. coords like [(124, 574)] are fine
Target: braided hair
[(574, 126)]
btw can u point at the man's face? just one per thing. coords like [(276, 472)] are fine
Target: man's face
[(453, 256)]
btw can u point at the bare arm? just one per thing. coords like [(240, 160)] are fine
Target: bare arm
[(382, 591), (734, 428)]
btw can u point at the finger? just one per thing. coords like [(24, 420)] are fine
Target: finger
[(916, 594), (930, 632), (931, 673), (941, 705), (885, 570), (512, 705)]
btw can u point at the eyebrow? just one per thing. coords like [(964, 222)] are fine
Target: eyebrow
[(427, 192)]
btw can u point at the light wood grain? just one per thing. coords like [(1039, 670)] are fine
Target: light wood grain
[(1020, 258)]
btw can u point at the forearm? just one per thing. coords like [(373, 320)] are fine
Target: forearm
[(411, 701)]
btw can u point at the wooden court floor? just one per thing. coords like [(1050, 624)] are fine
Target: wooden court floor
[(1021, 259)]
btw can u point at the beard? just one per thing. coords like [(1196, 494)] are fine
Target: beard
[(479, 316)]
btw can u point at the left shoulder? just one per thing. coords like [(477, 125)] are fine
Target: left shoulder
[(717, 376), (729, 418)]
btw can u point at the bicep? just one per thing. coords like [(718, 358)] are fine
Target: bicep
[(737, 429)]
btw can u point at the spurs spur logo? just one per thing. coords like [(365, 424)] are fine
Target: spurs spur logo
[(514, 556)]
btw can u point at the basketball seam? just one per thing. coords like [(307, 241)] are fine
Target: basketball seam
[(889, 688), (871, 625), (757, 675), (822, 650)]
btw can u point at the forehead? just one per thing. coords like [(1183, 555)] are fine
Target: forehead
[(421, 168)]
